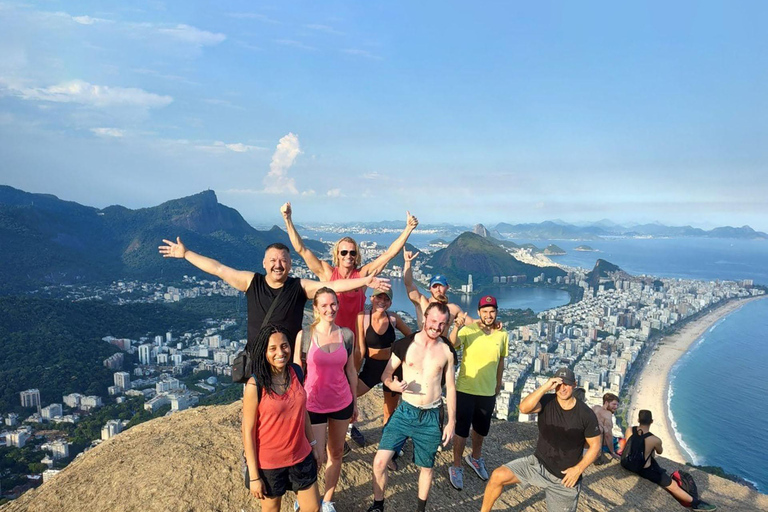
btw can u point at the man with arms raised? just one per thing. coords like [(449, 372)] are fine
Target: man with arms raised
[(565, 424), (604, 415), (275, 284), (427, 362), (485, 345), (438, 287)]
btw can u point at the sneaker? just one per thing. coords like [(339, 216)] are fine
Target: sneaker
[(356, 436), (295, 505), (328, 507), (347, 449), (375, 508), (456, 477), (703, 505), (478, 465)]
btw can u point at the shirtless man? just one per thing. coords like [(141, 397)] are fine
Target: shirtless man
[(427, 363), (604, 415), (438, 287)]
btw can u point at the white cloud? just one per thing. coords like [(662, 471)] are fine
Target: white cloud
[(294, 44), (193, 35), (81, 92), (277, 180), (335, 192), (361, 53), (88, 20), (238, 147), (108, 132), (309, 192)]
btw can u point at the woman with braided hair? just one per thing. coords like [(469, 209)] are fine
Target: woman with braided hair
[(278, 443)]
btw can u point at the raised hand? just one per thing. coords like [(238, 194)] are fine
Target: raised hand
[(553, 382), (411, 221), (409, 256), (172, 249), (378, 283), (286, 210)]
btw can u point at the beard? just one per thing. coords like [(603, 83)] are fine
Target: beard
[(440, 298)]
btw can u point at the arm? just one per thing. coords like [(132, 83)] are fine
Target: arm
[(400, 326), (351, 371), (379, 263), (239, 279), (606, 427), (499, 374), (453, 336), (344, 285), (657, 446), (318, 454), (298, 357), (530, 404), (360, 347), (389, 379), (450, 398), (413, 293), (628, 433), (573, 473), (318, 267), (249, 426)]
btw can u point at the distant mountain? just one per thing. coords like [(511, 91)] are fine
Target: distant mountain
[(558, 230), (483, 258), (553, 250), (603, 270), (47, 240), (479, 229)]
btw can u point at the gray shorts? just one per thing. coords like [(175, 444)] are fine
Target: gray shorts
[(532, 472)]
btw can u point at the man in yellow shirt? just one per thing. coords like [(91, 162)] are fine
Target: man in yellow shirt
[(485, 345)]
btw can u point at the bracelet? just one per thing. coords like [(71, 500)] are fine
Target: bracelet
[(254, 479), (313, 442)]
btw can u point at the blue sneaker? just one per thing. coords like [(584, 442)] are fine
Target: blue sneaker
[(478, 465), (456, 477)]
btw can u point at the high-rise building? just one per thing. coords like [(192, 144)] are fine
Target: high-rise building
[(72, 400), (123, 380), (145, 353), (30, 398), (111, 429), (51, 411), (115, 361)]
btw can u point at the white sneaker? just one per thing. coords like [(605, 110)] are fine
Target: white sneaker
[(328, 507), (295, 505)]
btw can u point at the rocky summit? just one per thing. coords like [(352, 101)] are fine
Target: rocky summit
[(191, 461)]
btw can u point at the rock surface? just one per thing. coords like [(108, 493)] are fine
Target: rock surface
[(190, 461)]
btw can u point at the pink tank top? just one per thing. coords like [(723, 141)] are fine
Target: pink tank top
[(280, 437), (327, 385), (350, 303)]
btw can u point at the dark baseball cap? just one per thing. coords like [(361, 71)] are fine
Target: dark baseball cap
[(567, 375), (488, 300)]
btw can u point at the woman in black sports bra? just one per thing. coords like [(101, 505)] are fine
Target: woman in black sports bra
[(375, 335)]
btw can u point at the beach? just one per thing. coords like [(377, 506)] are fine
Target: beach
[(651, 389)]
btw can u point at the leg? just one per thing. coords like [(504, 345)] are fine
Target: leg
[(380, 473), (390, 404), (337, 430), (477, 446), (271, 504), (678, 493), (309, 499), (459, 443), (425, 482), (362, 388), (500, 477)]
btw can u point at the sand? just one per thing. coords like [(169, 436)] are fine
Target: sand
[(651, 389)]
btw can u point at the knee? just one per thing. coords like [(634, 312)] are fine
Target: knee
[(428, 472), (502, 476), (335, 453), (380, 463)]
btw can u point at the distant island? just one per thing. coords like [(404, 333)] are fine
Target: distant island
[(553, 250), (584, 248)]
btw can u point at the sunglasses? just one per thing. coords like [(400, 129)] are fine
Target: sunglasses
[(345, 252)]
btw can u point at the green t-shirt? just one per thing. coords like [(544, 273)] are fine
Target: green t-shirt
[(480, 360)]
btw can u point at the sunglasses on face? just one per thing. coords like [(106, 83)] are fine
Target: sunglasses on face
[(352, 253)]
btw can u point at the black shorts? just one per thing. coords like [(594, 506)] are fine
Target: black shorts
[(370, 373), (294, 478), (656, 474), (317, 418), (473, 410)]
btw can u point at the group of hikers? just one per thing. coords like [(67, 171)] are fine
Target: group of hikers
[(300, 400)]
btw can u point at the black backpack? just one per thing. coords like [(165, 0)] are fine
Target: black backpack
[(633, 457)]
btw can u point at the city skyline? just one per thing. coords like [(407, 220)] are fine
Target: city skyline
[(512, 113)]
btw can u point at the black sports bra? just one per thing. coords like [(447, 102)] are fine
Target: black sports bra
[(376, 340)]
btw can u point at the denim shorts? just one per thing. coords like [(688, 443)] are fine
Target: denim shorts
[(421, 425)]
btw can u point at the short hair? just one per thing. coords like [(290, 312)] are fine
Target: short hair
[(644, 417), (335, 252), (278, 246), (439, 306), (609, 397)]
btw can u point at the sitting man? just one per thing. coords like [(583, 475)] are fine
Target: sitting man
[(604, 415), (655, 473)]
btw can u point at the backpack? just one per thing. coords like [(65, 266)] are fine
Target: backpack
[(686, 483), (633, 457)]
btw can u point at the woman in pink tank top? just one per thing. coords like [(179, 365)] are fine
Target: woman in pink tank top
[(346, 265), (331, 384), (279, 445)]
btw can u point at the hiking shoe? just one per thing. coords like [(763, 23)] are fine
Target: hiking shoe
[(328, 507), (347, 449), (356, 436), (456, 476), (478, 465), (703, 505), (375, 508)]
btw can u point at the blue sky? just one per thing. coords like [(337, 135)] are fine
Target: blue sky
[(459, 112)]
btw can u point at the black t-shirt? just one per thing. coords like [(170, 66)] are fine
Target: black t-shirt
[(562, 434), (400, 348), (288, 313)]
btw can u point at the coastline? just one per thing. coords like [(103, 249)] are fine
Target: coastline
[(652, 387)]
